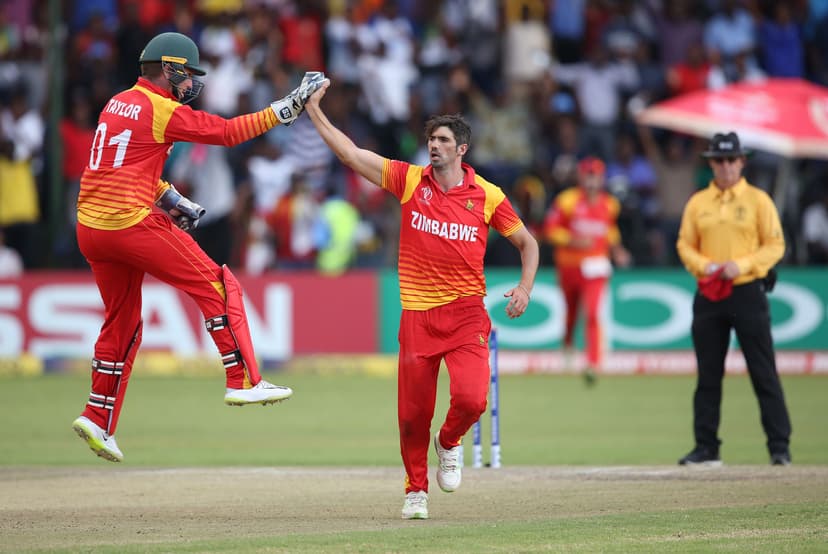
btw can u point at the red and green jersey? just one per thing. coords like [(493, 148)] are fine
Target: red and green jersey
[(136, 131), (443, 234)]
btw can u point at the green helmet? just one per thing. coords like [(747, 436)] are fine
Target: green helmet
[(172, 47)]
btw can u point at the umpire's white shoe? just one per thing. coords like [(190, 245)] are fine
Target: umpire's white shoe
[(449, 472), (262, 393), (416, 505), (98, 440)]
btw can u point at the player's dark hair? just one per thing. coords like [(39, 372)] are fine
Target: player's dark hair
[(455, 123)]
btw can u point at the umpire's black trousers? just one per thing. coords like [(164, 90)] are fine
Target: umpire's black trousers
[(746, 311)]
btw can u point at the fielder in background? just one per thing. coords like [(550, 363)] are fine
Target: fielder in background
[(730, 239), (447, 210), (582, 226), (122, 238)]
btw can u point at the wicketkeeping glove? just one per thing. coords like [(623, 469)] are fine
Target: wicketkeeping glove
[(289, 108), (185, 212)]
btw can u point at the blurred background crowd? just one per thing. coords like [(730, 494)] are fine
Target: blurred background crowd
[(543, 83)]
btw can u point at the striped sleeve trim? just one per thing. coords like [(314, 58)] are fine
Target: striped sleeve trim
[(244, 127)]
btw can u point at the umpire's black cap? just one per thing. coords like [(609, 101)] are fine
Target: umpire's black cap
[(725, 146)]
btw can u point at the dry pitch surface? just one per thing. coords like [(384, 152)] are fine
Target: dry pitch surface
[(43, 508)]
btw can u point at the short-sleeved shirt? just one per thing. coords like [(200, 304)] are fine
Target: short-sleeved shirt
[(443, 234), (739, 224)]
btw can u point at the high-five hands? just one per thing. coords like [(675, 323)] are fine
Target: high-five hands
[(289, 108)]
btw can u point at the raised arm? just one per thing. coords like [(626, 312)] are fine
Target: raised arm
[(366, 163)]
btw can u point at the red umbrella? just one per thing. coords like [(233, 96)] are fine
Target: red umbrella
[(784, 116)]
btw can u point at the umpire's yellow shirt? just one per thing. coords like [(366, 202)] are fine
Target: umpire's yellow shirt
[(739, 224)]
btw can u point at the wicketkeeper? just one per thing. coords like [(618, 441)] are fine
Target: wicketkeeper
[(123, 238)]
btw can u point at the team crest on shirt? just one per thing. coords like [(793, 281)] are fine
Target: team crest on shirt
[(426, 194), (469, 205), (482, 340)]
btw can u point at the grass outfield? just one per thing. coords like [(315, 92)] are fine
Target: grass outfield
[(350, 420), (585, 470)]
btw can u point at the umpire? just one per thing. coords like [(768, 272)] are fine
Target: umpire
[(730, 239)]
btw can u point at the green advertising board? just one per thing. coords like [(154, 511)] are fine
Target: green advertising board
[(645, 310)]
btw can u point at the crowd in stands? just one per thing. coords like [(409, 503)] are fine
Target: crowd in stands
[(542, 82)]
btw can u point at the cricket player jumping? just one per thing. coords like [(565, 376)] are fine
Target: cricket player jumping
[(122, 237)]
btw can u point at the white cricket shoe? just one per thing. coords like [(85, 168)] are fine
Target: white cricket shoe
[(263, 393), (98, 440), (416, 505), (449, 472)]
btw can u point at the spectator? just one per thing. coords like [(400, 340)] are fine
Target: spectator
[(227, 78), (77, 131), (780, 44), (691, 74), (728, 34), (10, 39), (262, 41), (130, 39), (343, 47), (292, 222), (386, 81), (184, 21), (623, 33), (818, 51), (336, 234), (269, 174), (564, 156), (81, 14), (673, 158), (597, 15), (503, 146), (567, 19), (202, 172), (477, 28), (21, 139), (677, 32), (743, 70), (438, 52), (530, 202), (599, 84), (302, 33), (527, 51), (94, 45), (652, 84), (631, 178), (309, 153)]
